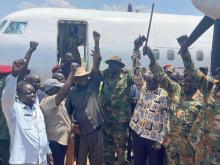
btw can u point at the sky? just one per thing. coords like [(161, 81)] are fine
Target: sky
[(162, 6)]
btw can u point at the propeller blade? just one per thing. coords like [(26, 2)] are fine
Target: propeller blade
[(201, 28)]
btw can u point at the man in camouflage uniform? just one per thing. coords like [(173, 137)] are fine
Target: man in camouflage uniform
[(116, 105), (205, 133), (179, 150), (4, 133)]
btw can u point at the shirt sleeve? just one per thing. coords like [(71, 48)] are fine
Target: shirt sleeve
[(96, 79), (200, 79), (48, 104), (8, 97), (173, 88)]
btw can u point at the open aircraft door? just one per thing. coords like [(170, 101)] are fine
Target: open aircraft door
[(73, 34)]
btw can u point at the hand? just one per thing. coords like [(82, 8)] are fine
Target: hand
[(17, 66), (33, 45), (73, 68), (182, 40), (50, 160), (75, 129), (96, 36), (147, 51), (157, 146), (138, 42)]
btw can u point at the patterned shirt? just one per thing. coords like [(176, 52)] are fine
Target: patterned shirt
[(184, 110), (150, 115)]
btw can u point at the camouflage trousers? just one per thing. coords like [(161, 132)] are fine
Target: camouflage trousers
[(115, 137), (180, 152)]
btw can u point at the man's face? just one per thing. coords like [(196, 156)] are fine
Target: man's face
[(27, 95), (35, 81), (114, 67), (68, 58), (60, 77), (82, 81), (152, 83), (188, 86)]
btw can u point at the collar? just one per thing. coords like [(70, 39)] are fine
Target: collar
[(25, 107)]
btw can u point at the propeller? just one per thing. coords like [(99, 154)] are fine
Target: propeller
[(201, 28)]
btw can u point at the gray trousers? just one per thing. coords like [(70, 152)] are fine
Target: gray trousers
[(91, 146)]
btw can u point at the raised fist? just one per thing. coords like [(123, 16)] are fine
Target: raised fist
[(33, 45), (96, 36), (17, 66)]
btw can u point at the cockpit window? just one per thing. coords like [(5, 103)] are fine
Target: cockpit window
[(2, 24), (16, 28)]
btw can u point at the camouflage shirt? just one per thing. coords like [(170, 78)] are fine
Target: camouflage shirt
[(115, 97), (4, 133), (205, 134), (186, 109)]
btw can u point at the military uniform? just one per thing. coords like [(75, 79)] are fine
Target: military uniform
[(116, 105), (4, 133), (205, 133), (183, 113)]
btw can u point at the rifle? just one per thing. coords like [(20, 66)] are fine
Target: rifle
[(149, 27)]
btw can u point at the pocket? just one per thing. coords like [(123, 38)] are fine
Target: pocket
[(27, 122)]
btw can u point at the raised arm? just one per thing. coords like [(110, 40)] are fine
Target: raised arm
[(61, 95), (32, 48), (136, 56), (197, 75), (173, 88), (8, 95), (96, 53)]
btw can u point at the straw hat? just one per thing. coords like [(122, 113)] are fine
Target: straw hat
[(115, 59), (81, 71)]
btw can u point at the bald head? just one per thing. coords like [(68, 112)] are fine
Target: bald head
[(59, 76), (33, 80)]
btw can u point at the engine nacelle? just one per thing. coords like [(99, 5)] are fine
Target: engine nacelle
[(210, 8)]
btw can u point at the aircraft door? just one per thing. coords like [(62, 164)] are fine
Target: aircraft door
[(73, 38)]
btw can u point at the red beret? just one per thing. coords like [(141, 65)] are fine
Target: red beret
[(56, 68), (5, 69), (167, 66)]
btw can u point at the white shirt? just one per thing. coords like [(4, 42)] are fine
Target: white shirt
[(151, 115), (29, 142)]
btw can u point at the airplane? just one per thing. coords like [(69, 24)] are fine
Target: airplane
[(211, 9), (49, 27)]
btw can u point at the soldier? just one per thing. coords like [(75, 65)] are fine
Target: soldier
[(72, 43), (205, 133), (116, 105), (4, 133), (179, 150)]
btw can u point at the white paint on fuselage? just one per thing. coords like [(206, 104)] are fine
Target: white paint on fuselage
[(118, 31)]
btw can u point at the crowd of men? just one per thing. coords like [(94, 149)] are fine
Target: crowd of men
[(109, 117)]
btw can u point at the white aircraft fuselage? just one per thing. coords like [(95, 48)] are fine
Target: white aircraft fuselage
[(118, 31)]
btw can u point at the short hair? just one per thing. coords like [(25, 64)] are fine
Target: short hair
[(20, 87)]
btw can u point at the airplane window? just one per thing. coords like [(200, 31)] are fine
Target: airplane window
[(199, 55), (156, 54), (2, 24), (16, 28), (170, 55)]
